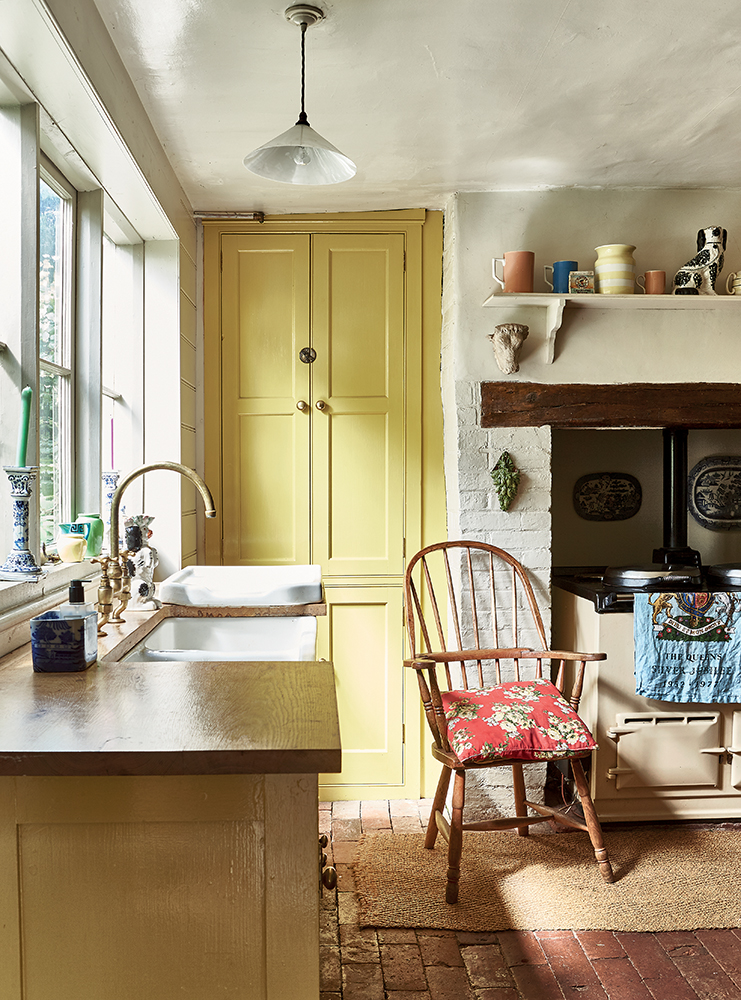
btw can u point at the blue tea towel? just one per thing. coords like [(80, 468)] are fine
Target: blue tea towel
[(688, 647)]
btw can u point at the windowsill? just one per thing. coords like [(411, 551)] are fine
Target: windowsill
[(20, 602)]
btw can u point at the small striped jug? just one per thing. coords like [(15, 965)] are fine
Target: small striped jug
[(615, 269)]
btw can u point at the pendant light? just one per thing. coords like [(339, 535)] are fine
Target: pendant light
[(301, 155)]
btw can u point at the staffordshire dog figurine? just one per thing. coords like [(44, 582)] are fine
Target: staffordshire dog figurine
[(698, 276)]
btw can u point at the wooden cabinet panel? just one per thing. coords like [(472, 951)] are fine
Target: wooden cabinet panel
[(265, 439), (358, 471), (362, 636), (164, 887), (266, 491)]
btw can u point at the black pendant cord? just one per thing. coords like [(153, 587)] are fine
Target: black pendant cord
[(302, 119)]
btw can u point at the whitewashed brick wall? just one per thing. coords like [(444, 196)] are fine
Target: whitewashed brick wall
[(473, 505)]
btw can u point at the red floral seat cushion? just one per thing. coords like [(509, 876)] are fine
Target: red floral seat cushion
[(517, 720)]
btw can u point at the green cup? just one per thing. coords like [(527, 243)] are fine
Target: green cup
[(95, 530)]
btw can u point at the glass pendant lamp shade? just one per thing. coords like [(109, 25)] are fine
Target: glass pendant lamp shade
[(300, 156)]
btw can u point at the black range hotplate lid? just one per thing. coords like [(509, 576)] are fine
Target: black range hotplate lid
[(657, 574), (728, 573)]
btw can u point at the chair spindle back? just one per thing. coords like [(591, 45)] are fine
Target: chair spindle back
[(483, 596)]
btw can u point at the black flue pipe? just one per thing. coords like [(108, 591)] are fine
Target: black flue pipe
[(675, 487), (675, 550)]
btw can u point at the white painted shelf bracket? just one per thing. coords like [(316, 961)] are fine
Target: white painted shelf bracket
[(553, 306), (553, 320)]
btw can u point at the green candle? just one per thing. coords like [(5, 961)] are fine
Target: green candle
[(26, 395)]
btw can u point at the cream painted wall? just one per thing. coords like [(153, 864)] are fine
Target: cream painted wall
[(594, 346)]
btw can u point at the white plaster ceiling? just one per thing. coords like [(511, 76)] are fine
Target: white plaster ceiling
[(429, 98)]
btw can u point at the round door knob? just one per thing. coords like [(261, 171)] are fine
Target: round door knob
[(302, 405), (321, 405)]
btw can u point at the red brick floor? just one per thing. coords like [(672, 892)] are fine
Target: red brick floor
[(408, 964)]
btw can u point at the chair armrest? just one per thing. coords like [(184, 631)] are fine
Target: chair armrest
[(422, 660)]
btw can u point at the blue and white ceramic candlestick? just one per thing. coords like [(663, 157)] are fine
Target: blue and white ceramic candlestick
[(110, 482), (20, 564)]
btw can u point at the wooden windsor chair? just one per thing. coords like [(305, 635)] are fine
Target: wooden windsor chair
[(481, 709)]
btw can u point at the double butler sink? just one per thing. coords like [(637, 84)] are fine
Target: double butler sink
[(261, 613)]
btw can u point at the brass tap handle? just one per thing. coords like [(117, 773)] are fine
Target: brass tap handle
[(105, 594), (302, 405), (321, 405), (124, 587), (115, 573)]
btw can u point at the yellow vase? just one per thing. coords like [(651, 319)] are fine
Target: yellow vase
[(615, 269)]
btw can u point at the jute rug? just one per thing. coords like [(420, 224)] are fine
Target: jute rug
[(667, 878)]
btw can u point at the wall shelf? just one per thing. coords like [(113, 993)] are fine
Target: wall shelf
[(554, 305)]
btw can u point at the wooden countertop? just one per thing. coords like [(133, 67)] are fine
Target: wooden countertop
[(168, 718)]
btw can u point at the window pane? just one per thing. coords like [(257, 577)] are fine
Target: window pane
[(52, 276), (56, 265), (51, 393)]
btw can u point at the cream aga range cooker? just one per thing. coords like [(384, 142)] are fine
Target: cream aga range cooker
[(656, 759)]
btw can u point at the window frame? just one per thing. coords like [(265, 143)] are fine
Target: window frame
[(66, 370)]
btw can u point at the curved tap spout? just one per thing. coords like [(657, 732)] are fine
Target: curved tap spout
[(208, 500)]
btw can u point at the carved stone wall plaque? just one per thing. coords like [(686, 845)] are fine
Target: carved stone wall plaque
[(714, 492), (607, 496)]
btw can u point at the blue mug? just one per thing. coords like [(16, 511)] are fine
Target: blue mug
[(560, 275)]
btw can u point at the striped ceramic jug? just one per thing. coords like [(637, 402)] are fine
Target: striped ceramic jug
[(615, 269)]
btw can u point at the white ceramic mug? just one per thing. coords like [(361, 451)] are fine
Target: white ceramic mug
[(733, 283)]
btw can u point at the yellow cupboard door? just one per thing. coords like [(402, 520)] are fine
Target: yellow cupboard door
[(265, 462), (358, 404), (362, 637)]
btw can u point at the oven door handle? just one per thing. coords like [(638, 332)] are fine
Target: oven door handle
[(615, 732)]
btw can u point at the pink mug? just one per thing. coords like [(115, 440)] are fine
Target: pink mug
[(518, 268), (654, 282)]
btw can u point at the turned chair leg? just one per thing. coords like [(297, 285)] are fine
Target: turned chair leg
[(518, 780), (455, 845), (438, 805), (592, 821)]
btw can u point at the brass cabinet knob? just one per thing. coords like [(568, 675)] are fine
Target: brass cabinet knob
[(302, 405), (329, 878), (321, 405)]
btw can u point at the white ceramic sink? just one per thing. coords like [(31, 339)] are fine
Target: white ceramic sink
[(284, 638), (242, 586)]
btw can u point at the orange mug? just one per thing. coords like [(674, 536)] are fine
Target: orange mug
[(654, 282), (518, 269)]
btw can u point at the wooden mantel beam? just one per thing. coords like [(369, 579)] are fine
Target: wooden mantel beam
[(633, 404)]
